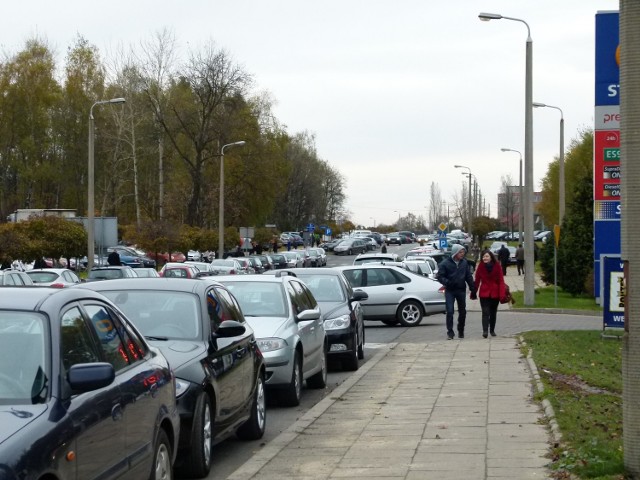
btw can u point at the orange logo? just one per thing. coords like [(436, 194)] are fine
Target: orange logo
[(618, 56)]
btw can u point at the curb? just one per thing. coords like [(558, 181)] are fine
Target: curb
[(252, 466), (557, 311), (546, 405)]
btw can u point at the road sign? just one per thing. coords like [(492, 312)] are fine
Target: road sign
[(442, 243), (311, 227), (328, 231), (442, 227)]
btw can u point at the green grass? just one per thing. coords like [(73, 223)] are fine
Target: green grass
[(545, 298), (582, 377)]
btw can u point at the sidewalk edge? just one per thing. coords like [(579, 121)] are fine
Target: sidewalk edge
[(252, 466)]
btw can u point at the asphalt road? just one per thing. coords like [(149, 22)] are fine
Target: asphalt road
[(232, 453)]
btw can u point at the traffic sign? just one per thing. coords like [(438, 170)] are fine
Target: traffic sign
[(442, 227), (311, 227), (328, 231), (442, 243)]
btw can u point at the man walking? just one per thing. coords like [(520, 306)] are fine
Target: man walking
[(520, 259), (503, 257), (455, 275)]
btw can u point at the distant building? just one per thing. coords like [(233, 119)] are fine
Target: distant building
[(25, 213), (509, 209)]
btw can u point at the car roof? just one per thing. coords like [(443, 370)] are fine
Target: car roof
[(20, 298), (146, 283), (302, 271)]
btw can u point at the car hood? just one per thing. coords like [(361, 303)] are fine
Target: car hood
[(333, 309), (17, 417), (179, 352), (265, 327)]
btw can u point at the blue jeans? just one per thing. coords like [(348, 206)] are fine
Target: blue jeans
[(450, 297)]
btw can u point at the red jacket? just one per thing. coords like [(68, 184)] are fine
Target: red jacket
[(489, 284)]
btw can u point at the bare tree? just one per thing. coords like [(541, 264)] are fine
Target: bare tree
[(435, 206), (507, 206)]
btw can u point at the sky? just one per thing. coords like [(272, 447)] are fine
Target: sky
[(395, 92)]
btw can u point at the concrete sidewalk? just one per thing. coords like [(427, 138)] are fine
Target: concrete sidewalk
[(442, 410)]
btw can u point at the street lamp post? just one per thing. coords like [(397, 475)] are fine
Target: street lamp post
[(91, 186), (221, 200), (529, 259), (469, 197), (520, 202), (561, 200)]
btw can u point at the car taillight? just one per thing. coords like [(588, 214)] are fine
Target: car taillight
[(232, 272), (57, 285), (441, 290)]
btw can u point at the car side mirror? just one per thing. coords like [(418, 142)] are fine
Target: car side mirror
[(359, 295), (311, 314), (229, 328)]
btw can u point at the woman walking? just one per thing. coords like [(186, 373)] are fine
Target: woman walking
[(490, 288)]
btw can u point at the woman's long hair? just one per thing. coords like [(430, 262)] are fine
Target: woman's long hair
[(493, 257)]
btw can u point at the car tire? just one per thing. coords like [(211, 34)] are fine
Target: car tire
[(291, 395), (361, 346), (161, 468), (409, 313), (350, 362), (254, 427), (319, 380), (197, 463), (391, 323)]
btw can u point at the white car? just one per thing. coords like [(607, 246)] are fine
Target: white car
[(194, 256), (395, 294), (53, 277), (375, 258)]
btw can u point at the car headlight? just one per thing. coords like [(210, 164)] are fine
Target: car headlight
[(337, 323), (181, 387), (271, 344)]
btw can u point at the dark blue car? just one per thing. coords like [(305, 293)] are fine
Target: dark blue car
[(82, 395)]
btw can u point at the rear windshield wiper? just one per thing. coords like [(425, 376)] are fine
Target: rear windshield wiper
[(160, 339)]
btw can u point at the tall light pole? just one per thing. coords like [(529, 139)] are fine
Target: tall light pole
[(91, 185), (374, 221), (469, 200), (561, 201), (529, 259), (221, 201), (520, 202)]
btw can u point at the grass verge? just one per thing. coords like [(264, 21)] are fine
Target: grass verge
[(582, 377), (545, 298)]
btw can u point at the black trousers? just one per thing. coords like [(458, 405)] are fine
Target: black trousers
[(489, 313)]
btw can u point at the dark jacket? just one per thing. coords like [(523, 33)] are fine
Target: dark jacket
[(503, 255), (453, 276)]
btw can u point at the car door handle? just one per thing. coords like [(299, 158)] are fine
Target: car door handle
[(240, 352), (400, 288)]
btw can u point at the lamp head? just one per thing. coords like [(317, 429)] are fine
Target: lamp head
[(538, 104), (117, 100), (505, 149), (240, 143), (485, 17)]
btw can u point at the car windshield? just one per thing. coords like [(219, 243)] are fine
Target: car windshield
[(325, 288), (24, 362), (160, 313), (259, 299), (106, 274), (43, 277), (224, 263)]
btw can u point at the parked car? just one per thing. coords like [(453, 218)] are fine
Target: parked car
[(397, 238), (329, 246), (203, 267), (279, 261), (245, 265), (350, 246), (53, 277), (15, 278), (266, 260), (294, 259), (395, 295), (194, 256), (375, 258), (318, 257), (110, 273), (419, 267), (83, 395), (146, 273), (256, 264), (164, 257), (228, 266), (219, 370), (343, 315), (132, 257), (410, 236), (289, 326), (179, 270)]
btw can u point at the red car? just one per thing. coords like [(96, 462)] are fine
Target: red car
[(179, 270), (164, 257)]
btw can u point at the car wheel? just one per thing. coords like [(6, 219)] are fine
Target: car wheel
[(409, 313), (198, 461), (254, 427), (292, 394), (319, 380), (350, 363), (361, 346), (162, 458), (391, 323)]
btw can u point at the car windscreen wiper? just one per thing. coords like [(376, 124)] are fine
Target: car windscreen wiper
[(160, 339)]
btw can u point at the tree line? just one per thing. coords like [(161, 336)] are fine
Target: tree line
[(157, 156)]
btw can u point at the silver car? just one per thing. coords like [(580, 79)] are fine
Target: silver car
[(53, 277), (289, 329), (395, 294), (228, 266)]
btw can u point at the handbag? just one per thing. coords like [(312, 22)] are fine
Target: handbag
[(507, 296)]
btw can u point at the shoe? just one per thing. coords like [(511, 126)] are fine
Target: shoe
[(461, 335), (484, 335), (493, 334), (449, 337)]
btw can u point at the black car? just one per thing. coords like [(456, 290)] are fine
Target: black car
[(132, 257), (110, 273), (279, 261), (220, 371), (343, 315), (83, 395)]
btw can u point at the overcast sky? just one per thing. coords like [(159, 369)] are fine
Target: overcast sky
[(396, 92)]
